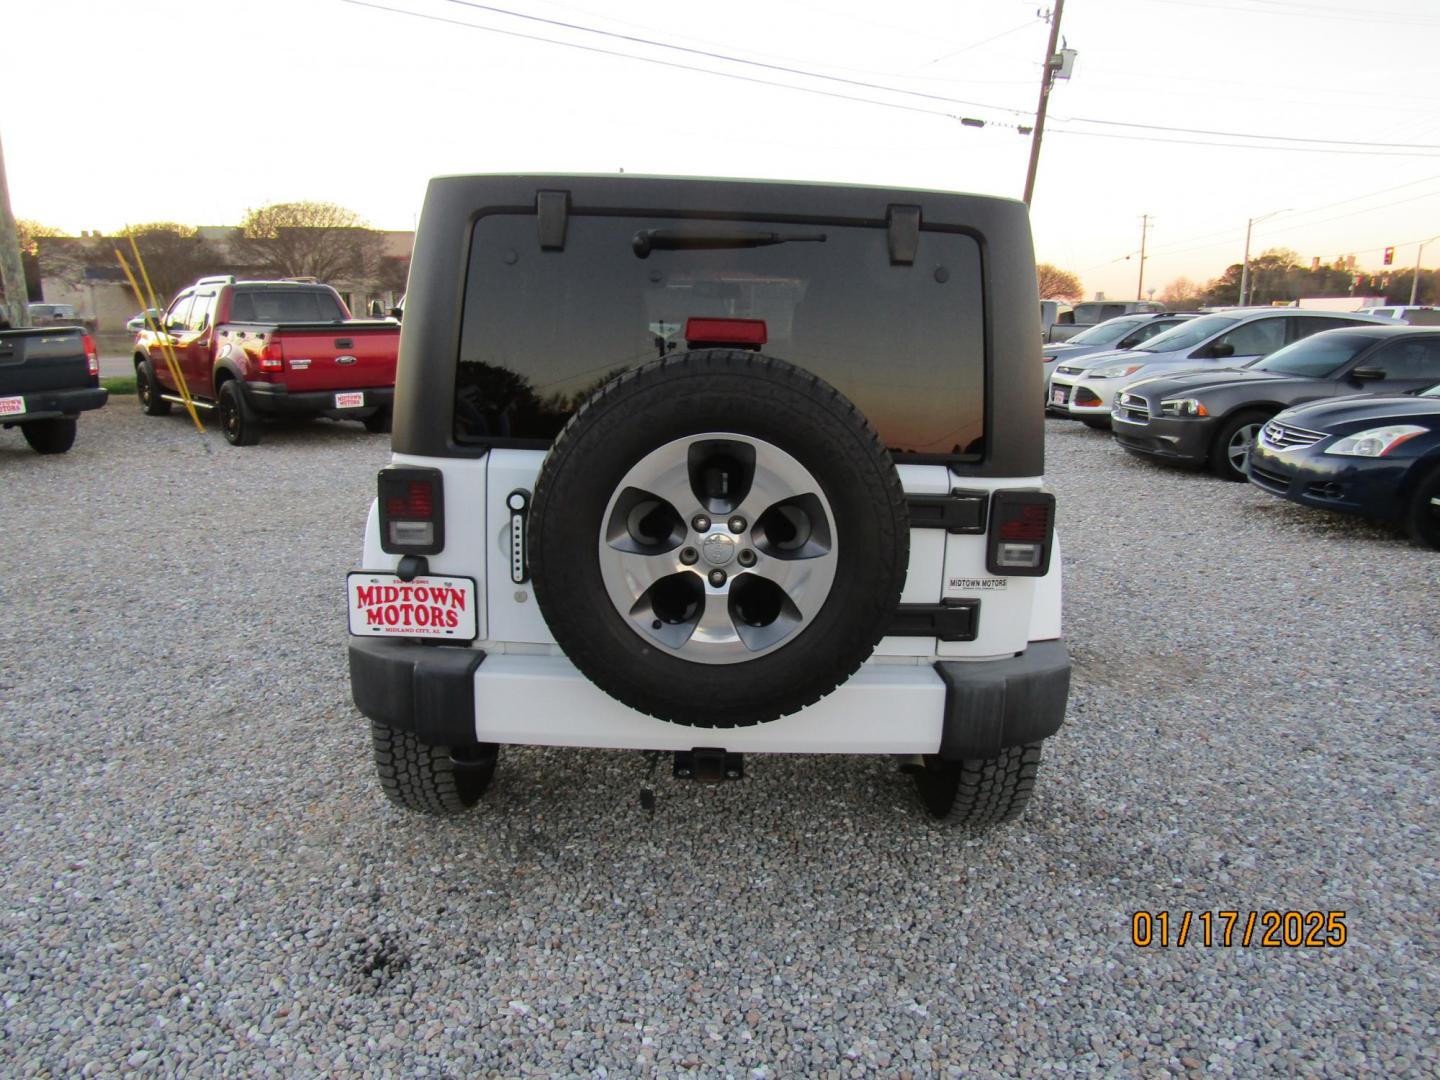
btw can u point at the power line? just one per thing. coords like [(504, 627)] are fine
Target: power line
[(1231, 234), (664, 63), (1004, 33), (804, 73), (709, 55), (1244, 135), (1372, 17), (1233, 146), (1291, 214)]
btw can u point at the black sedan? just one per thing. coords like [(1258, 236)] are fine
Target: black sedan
[(1212, 417), (1370, 455)]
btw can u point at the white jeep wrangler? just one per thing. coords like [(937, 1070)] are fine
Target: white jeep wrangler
[(712, 467)]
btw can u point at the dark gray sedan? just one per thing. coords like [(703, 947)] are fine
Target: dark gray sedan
[(1212, 417)]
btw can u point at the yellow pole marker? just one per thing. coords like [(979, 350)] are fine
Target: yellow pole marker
[(169, 350), (170, 361)]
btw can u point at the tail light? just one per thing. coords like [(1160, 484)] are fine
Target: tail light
[(272, 356), (1022, 532), (725, 333), (92, 354), (412, 510)]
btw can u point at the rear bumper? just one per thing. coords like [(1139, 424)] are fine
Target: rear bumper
[(451, 696), (276, 399), (49, 404)]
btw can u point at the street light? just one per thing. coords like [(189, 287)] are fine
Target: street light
[(1245, 266), (1415, 281)]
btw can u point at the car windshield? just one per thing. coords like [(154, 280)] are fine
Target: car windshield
[(1315, 357), (1188, 334), (1107, 333)]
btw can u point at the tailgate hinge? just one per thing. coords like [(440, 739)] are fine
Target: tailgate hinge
[(959, 512)]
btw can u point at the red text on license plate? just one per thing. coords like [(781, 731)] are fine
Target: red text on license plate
[(383, 605), (350, 401), (12, 406)]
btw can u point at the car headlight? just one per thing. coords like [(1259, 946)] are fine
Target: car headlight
[(1118, 371), (1184, 407), (1376, 442)]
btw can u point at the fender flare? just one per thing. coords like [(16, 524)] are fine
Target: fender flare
[(231, 369)]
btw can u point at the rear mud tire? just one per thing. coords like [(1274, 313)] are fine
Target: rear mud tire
[(50, 436), (239, 424), (976, 793), (378, 422), (436, 780)]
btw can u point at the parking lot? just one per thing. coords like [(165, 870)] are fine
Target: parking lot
[(201, 868)]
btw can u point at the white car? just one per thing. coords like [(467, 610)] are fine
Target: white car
[(1125, 332), (1086, 390)]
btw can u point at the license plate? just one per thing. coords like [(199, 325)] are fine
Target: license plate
[(350, 401), (12, 406), (381, 605), (1059, 397)]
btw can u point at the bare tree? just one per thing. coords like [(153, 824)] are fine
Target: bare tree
[(29, 232), (314, 239), (1182, 294), (1057, 284), (174, 255)]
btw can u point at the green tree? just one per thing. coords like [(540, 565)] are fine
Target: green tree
[(310, 239), (1057, 284)]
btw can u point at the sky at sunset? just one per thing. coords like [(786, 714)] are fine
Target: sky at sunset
[(1320, 115)]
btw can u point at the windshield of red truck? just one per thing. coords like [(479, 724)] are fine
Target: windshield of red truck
[(544, 329)]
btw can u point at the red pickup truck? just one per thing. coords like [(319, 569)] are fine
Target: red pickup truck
[(257, 349)]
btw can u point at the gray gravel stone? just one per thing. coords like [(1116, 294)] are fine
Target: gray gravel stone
[(202, 877)]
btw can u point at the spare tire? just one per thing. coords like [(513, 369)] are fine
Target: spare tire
[(718, 539)]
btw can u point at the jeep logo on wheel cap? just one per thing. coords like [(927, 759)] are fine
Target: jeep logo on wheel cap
[(718, 549)]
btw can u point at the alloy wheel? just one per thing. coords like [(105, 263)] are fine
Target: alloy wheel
[(718, 547)]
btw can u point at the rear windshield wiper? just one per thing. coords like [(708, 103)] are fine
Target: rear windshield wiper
[(648, 240)]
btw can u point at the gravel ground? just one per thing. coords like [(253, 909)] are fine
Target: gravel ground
[(202, 876)]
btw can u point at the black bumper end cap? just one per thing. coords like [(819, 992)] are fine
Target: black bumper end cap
[(428, 690), (992, 705)]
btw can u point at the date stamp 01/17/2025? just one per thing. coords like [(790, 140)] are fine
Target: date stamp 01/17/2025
[(1228, 929)]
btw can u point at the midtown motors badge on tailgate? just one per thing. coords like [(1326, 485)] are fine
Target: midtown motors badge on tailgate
[(381, 605)]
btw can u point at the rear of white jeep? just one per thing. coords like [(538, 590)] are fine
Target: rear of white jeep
[(714, 467)]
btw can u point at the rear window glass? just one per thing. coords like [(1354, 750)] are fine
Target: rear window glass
[(544, 329), (285, 305)]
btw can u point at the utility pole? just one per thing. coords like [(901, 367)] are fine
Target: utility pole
[(1047, 79), (1140, 285), (1414, 281), (12, 269), (1245, 266)]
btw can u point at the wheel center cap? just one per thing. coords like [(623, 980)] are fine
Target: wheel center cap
[(718, 548)]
